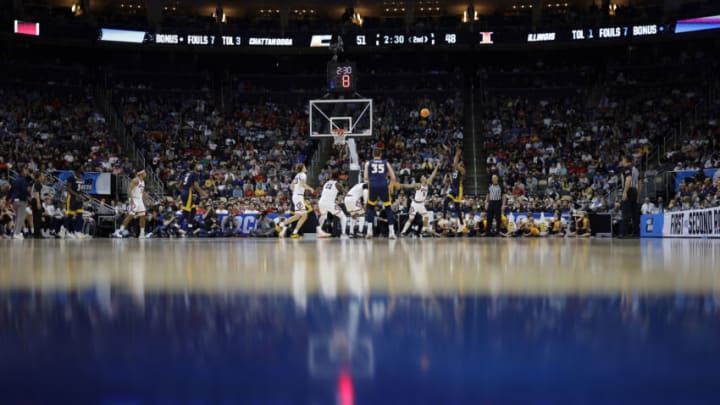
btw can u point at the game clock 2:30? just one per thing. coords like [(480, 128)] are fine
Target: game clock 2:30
[(341, 76)]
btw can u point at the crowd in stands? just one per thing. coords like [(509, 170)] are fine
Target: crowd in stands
[(247, 153), (55, 128), (554, 137), (46, 129), (553, 134)]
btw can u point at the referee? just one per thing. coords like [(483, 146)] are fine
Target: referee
[(495, 204), (630, 198)]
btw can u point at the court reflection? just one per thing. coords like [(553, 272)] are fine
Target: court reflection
[(461, 321), (99, 345)]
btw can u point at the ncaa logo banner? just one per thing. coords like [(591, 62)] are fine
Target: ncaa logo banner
[(651, 225), (692, 224), (91, 182)]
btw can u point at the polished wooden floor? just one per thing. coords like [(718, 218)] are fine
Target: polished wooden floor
[(433, 321), (359, 267)]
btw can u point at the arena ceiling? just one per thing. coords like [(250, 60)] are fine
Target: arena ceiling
[(370, 8)]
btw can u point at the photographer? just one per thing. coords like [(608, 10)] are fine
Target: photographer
[(6, 217), (265, 227), (210, 222)]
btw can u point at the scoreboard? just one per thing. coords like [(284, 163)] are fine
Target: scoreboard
[(461, 39), (341, 77)]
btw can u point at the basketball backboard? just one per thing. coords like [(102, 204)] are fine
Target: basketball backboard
[(353, 116)]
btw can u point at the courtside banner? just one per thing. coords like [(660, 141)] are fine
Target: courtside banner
[(246, 224), (651, 225), (93, 183), (692, 224)]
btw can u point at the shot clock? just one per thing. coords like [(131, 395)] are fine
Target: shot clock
[(341, 76)]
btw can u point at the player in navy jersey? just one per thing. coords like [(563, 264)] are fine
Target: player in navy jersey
[(188, 186), (376, 175), (74, 205), (455, 195)]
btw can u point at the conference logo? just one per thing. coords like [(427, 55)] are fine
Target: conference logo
[(320, 41), (486, 38)]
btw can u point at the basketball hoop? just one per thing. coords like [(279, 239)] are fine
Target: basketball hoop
[(339, 137)]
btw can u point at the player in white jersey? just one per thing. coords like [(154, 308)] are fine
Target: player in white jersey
[(136, 208), (354, 202), (422, 190), (328, 205), (299, 206)]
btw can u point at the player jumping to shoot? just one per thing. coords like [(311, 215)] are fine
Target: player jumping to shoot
[(422, 190), (376, 175), (455, 195), (188, 187)]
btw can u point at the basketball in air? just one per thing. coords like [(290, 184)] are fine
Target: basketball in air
[(424, 113)]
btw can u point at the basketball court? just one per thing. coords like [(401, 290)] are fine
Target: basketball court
[(403, 321)]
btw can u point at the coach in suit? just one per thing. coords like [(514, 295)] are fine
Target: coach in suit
[(495, 204)]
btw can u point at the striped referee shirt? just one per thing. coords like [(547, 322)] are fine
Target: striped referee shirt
[(495, 192), (634, 176)]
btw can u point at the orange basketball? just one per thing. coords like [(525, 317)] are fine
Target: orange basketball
[(424, 113)]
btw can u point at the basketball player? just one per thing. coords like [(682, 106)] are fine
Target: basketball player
[(455, 195), (74, 206), (376, 175), (417, 207), (188, 186), (328, 204), (136, 209), (354, 202), (300, 207)]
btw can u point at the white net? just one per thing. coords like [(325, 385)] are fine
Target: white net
[(339, 137)]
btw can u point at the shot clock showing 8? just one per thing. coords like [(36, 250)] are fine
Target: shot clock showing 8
[(341, 76)]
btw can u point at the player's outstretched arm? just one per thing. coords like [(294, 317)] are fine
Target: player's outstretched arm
[(366, 176), (307, 187), (393, 178), (131, 187), (200, 191), (434, 173), (340, 188), (456, 162)]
